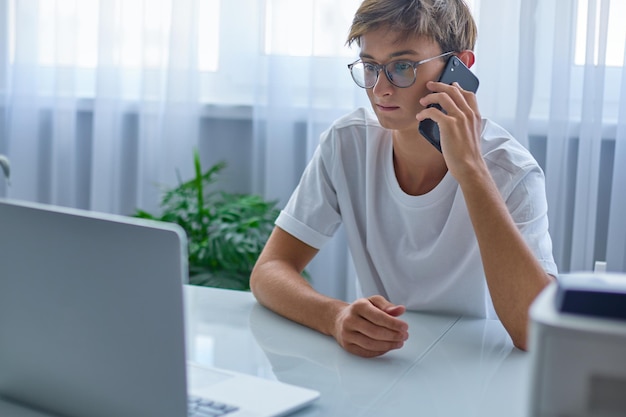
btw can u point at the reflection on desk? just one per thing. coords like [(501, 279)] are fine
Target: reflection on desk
[(450, 366)]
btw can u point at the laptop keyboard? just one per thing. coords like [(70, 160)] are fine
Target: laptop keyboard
[(204, 407)]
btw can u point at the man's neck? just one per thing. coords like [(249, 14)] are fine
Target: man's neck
[(418, 166)]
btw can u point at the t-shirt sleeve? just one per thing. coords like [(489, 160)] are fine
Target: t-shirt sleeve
[(528, 206), (312, 213)]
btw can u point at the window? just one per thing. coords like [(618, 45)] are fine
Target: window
[(322, 35), (76, 26), (614, 14), (137, 32), (136, 35)]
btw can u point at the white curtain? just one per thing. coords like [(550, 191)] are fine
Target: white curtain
[(104, 101), (569, 104)]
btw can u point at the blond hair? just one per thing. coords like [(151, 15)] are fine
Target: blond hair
[(447, 22)]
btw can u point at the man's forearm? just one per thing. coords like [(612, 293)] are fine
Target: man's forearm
[(285, 292), (514, 275)]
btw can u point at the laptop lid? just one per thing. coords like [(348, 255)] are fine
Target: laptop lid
[(91, 321), (91, 312)]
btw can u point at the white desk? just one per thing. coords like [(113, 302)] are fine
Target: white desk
[(450, 366)]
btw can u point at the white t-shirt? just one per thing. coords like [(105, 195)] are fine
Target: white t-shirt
[(419, 251)]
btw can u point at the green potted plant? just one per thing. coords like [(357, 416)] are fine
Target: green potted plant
[(226, 231)]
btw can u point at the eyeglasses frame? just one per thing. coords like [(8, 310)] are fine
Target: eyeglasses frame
[(383, 67)]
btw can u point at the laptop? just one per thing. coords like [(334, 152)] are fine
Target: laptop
[(92, 321)]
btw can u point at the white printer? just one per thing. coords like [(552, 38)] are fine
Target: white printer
[(578, 347)]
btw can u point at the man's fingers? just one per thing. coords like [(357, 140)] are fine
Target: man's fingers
[(360, 351), (452, 98), (379, 333), (369, 348), (369, 327), (395, 311), (385, 314)]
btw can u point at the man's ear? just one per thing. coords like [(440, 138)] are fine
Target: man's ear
[(467, 57)]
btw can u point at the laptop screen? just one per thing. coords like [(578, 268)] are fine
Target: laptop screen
[(91, 312)]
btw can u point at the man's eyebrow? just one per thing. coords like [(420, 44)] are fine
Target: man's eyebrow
[(392, 55)]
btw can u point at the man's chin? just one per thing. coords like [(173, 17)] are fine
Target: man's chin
[(395, 124)]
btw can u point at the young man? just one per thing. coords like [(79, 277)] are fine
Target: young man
[(463, 231)]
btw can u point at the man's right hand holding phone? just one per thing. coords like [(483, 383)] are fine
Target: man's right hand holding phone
[(460, 126), (455, 71)]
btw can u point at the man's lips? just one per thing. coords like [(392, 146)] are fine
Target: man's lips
[(386, 108)]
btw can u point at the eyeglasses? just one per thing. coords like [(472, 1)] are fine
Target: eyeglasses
[(399, 73)]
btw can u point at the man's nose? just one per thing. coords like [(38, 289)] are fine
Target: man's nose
[(383, 85)]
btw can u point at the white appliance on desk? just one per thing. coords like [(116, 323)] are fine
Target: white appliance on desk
[(578, 347)]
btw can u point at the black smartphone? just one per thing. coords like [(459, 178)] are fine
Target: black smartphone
[(455, 70)]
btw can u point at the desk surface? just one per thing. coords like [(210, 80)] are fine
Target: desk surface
[(450, 366)]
